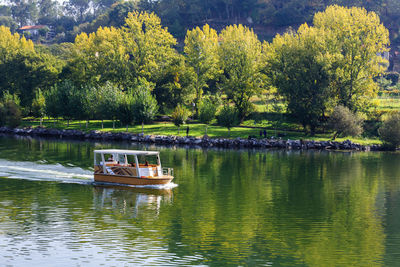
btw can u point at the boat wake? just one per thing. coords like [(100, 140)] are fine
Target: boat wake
[(44, 172)]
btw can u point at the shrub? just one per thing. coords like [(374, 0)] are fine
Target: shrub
[(344, 122), (207, 112), (389, 132), (228, 117), (179, 116), (13, 114)]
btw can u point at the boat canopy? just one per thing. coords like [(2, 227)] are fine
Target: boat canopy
[(127, 152)]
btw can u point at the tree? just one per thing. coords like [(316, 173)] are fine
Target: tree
[(389, 132), (344, 122), (39, 105), (106, 100), (354, 39), (207, 111), (98, 58), (23, 69), (10, 110), (52, 103), (201, 54), (179, 116), (149, 46), (228, 117), (144, 104), (240, 55), (299, 71), (126, 113)]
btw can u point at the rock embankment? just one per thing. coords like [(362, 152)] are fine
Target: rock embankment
[(272, 143)]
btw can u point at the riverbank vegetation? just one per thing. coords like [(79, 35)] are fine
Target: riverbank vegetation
[(134, 74)]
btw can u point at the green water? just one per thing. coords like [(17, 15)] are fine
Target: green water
[(248, 208)]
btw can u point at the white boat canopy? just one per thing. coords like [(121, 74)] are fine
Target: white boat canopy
[(127, 152)]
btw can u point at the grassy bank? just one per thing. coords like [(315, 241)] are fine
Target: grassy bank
[(195, 129)]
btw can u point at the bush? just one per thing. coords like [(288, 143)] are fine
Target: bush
[(179, 116), (228, 117), (344, 122), (10, 110), (13, 114), (389, 132)]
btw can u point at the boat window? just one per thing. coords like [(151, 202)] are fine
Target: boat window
[(150, 160)]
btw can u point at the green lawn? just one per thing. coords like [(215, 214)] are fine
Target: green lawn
[(195, 129), (266, 116)]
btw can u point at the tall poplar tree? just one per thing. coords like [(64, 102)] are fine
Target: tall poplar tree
[(201, 54)]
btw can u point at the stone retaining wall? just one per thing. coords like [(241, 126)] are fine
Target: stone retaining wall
[(192, 141)]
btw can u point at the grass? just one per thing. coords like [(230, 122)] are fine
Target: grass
[(195, 129), (267, 116)]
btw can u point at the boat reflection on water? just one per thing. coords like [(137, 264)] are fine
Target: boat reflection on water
[(130, 200)]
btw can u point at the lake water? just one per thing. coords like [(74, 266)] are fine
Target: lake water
[(225, 207)]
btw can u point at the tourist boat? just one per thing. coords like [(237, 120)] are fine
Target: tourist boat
[(123, 167)]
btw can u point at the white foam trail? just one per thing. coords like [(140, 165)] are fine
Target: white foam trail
[(161, 186), (46, 172)]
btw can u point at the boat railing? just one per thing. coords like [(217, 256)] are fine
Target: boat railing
[(168, 171)]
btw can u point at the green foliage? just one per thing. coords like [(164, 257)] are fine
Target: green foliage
[(240, 55), (207, 110), (13, 114), (300, 74), (10, 111), (106, 100), (353, 40), (125, 111), (201, 54), (52, 105), (345, 122), (23, 69), (389, 132), (144, 104), (228, 117), (174, 85), (179, 116), (39, 104)]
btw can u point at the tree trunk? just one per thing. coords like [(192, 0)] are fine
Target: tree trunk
[(142, 128), (206, 128), (127, 127), (113, 124), (68, 123), (54, 122), (102, 124), (41, 121)]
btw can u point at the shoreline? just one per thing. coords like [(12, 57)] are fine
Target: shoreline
[(203, 142)]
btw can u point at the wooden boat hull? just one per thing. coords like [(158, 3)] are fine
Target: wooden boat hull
[(129, 180)]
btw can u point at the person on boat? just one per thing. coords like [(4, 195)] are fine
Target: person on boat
[(146, 163), (111, 159)]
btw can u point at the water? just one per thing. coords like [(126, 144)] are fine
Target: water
[(226, 207)]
